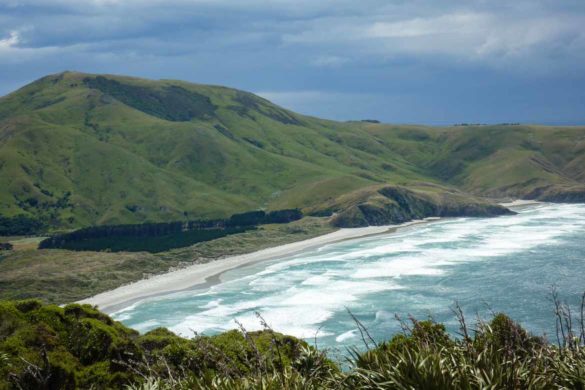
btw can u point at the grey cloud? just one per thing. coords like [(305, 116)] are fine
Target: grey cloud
[(461, 30), (377, 53)]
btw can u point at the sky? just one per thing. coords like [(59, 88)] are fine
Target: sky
[(398, 61)]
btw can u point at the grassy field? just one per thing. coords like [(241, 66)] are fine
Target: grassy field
[(61, 276), (79, 150), (21, 243)]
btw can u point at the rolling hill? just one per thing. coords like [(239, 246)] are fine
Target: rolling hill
[(81, 149)]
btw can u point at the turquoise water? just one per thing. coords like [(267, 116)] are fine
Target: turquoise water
[(504, 264)]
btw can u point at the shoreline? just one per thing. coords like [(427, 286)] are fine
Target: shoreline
[(209, 274)]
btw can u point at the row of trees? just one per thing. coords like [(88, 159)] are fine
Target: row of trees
[(253, 218), (243, 220)]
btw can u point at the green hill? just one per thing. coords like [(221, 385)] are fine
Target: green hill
[(80, 149)]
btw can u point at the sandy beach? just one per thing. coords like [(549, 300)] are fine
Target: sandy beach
[(210, 273)]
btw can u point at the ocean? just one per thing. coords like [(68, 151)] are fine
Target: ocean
[(486, 265)]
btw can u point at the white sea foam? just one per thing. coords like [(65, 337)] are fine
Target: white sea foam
[(211, 304), (384, 316), (293, 320), (492, 238), (125, 313), (346, 335), (297, 310), (298, 295), (122, 316), (146, 325), (316, 280)]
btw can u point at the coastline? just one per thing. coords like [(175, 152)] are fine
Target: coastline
[(208, 274)]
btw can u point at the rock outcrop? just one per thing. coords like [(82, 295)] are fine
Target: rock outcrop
[(395, 204)]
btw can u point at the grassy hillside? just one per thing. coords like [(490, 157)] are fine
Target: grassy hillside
[(79, 149)]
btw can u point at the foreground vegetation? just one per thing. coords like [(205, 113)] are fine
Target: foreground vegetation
[(79, 347), (63, 276)]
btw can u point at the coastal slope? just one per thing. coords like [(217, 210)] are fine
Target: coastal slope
[(81, 149)]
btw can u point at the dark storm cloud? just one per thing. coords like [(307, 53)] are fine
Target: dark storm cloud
[(400, 61)]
